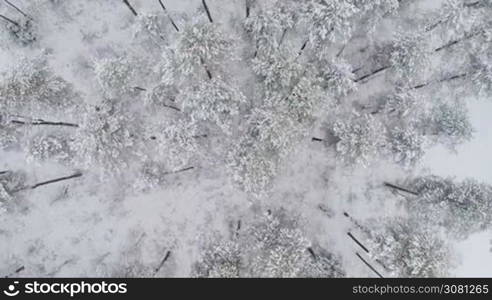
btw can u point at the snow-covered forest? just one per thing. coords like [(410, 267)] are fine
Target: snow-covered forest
[(243, 138)]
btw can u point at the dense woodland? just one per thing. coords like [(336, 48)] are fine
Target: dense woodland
[(265, 112)]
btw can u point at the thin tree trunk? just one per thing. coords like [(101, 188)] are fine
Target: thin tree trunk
[(207, 11), (248, 8), (10, 20), (163, 261), (302, 48), (372, 73), (400, 188), (311, 252), (454, 42), (17, 9), (369, 265), (179, 171), (169, 16), (357, 242), (453, 77), (130, 7), (17, 271), (282, 37), (76, 175), (42, 122)]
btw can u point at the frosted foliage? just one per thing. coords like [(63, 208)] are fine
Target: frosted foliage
[(450, 123), (329, 21), (213, 101), (50, 146), (337, 78), (482, 77), (114, 76), (177, 143), (202, 44), (410, 249), (32, 84), (267, 248), (462, 208), (151, 26), (262, 28), (359, 138), (406, 144), (161, 94), (24, 32), (252, 167), (410, 56), (277, 72), (275, 130), (457, 18), (404, 104), (220, 260), (108, 137)]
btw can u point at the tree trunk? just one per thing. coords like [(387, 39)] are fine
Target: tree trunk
[(170, 18), (17, 9), (179, 171), (42, 122), (453, 77), (451, 43), (248, 8), (369, 265), (76, 175), (400, 188), (163, 261), (302, 48), (357, 242), (10, 20), (282, 37), (130, 7), (372, 73), (207, 11)]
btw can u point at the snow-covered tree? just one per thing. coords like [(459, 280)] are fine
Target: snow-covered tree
[(449, 123), (270, 247), (53, 145), (109, 138), (461, 208), (359, 138), (31, 86), (329, 21), (409, 248), (202, 46), (176, 142), (118, 76), (410, 56), (252, 166), (213, 101), (406, 144), (21, 30), (337, 78)]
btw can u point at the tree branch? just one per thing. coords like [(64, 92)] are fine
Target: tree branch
[(130, 7), (17, 9), (169, 16), (399, 188), (42, 122), (368, 264), (207, 11)]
